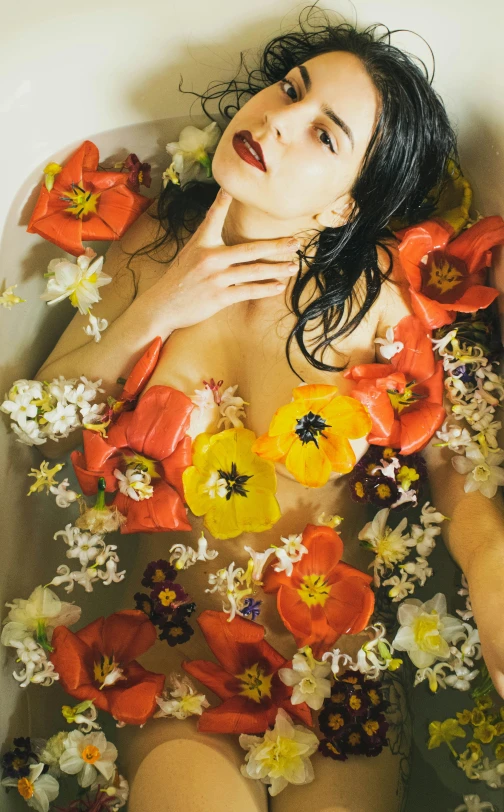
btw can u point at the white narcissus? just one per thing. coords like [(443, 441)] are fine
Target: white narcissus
[(41, 613), (426, 630), (483, 472), (309, 679), (281, 756), (38, 789), (472, 803), (79, 281), (86, 755), (191, 153)]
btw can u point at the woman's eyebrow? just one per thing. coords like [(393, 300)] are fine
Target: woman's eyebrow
[(328, 111)]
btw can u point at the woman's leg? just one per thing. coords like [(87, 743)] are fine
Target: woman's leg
[(173, 768)]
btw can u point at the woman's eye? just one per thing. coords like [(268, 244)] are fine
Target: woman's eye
[(327, 143)]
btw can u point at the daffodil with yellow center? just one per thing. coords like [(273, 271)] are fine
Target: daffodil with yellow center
[(311, 434), (314, 590), (256, 684), (82, 202), (25, 788), (243, 496)]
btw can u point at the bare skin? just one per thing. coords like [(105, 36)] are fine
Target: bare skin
[(219, 307)]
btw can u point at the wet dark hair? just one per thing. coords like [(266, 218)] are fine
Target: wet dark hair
[(405, 159)]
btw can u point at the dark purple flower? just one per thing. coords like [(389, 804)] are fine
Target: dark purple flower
[(251, 608), (167, 596), (158, 571), (139, 173), (175, 632)]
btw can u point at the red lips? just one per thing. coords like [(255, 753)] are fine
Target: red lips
[(248, 136)]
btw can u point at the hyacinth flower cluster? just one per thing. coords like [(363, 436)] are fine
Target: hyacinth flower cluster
[(167, 605), (50, 410), (37, 768), (481, 753), (352, 719), (475, 390)]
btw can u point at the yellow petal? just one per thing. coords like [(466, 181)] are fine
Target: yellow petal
[(197, 498), (339, 453), (308, 464), (273, 448), (347, 416)]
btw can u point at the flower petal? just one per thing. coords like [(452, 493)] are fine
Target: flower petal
[(127, 634), (223, 684), (237, 715), (308, 464)]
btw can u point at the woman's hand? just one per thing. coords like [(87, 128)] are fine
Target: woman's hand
[(207, 275), (485, 576)]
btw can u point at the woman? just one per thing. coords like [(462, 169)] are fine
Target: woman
[(349, 133)]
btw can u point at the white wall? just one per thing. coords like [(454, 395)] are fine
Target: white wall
[(73, 71)]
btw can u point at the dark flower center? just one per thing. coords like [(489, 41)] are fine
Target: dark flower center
[(234, 481), (309, 426)]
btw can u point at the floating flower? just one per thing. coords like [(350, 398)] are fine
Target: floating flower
[(484, 472), (39, 615), (139, 172), (84, 714), (472, 803), (405, 397), (183, 557), (85, 204), (323, 598), (426, 630), (311, 434), (16, 763), (389, 546), (100, 518), (8, 298), (444, 733), (44, 477), (246, 680), (182, 699), (446, 276), (98, 663), (149, 440), (309, 679), (95, 327), (191, 153), (228, 484), (87, 755), (78, 281), (38, 788), (281, 756)]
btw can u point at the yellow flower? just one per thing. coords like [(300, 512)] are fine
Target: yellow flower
[(485, 732), (50, 171), (477, 717), (499, 752), (445, 732), (229, 485), (44, 477), (485, 702), (465, 717), (475, 750), (8, 298), (311, 434)]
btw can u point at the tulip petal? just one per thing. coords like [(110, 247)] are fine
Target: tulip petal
[(127, 634), (142, 371), (237, 715), (474, 245), (308, 464), (71, 658), (224, 685), (325, 549), (295, 614), (160, 421), (135, 703), (238, 643), (163, 511)]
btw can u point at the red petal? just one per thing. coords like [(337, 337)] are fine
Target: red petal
[(100, 181), (127, 634), (237, 715), (224, 685), (162, 512), (416, 360), (325, 549), (142, 371), (238, 643), (84, 159), (119, 207), (64, 230), (415, 243), (175, 465), (71, 658), (476, 297), (350, 603), (474, 244), (94, 228), (378, 405), (295, 614), (134, 704), (159, 422), (432, 314), (301, 711)]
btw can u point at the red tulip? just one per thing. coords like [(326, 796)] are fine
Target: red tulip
[(446, 277), (404, 398), (98, 663), (323, 598), (246, 680), (153, 436), (85, 204)]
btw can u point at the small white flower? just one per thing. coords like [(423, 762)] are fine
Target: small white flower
[(38, 789), (182, 700), (191, 152), (461, 679), (288, 555), (205, 414), (85, 547), (182, 557), (453, 436), (400, 586), (134, 483), (231, 409), (376, 655), (77, 281), (281, 756), (64, 495), (389, 347), (231, 584), (86, 755), (20, 408), (472, 803), (430, 515), (435, 675), (95, 327), (62, 418), (426, 630), (492, 773), (31, 436), (390, 546), (483, 472), (418, 569), (308, 677), (424, 538), (338, 660), (259, 562)]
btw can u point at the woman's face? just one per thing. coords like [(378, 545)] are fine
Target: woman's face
[(311, 160)]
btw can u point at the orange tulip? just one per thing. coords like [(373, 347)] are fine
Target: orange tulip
[(446, 277), (404, 398), (85, 204), (246, 680), (323, 598)]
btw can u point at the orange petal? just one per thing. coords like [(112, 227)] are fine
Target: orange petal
[(273, 448), (347, 417), (127, 634), (416, 360), (339, 452), (142, 371), (325, 549), (474, 244), (295, 614), (135, 703), (223, 684), (237, 715)]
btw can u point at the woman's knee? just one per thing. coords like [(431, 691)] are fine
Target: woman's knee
[(192, 775)]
